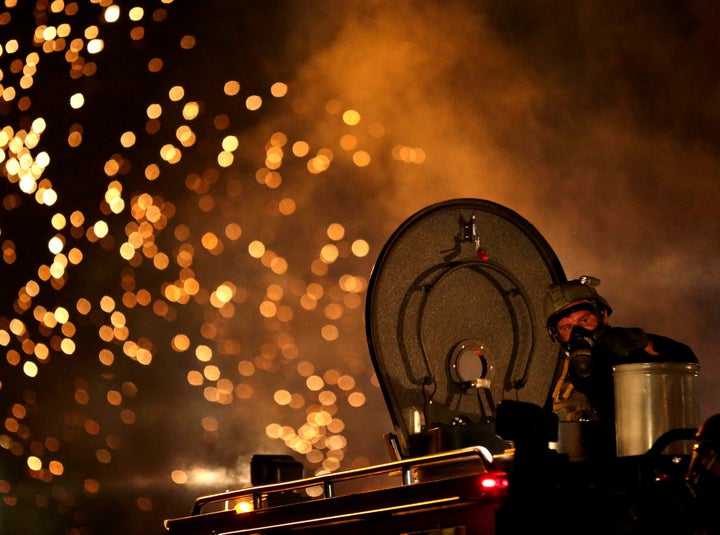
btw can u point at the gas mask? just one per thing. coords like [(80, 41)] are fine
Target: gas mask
[(579, 351)]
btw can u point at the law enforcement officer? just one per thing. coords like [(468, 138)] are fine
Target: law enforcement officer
[(578, 318)]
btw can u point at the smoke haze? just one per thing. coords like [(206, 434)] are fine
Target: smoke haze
[(597, 122)]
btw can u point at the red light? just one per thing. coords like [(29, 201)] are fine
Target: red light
[(497, 480), (482, 255)]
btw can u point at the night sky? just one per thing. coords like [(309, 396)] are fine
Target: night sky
[(194, 194)]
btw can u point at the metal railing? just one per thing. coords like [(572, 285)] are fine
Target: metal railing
[(480, 457)]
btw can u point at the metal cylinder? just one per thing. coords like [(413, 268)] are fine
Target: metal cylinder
[(652, 398)]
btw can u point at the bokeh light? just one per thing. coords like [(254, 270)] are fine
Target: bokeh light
[(165, 331)]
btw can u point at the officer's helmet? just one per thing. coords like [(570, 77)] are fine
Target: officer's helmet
[(563, 297)]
